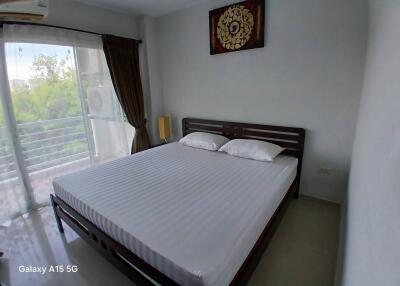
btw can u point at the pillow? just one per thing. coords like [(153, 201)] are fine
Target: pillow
[(204, 140), (252, 149)]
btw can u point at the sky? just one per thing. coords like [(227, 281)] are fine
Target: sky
[(20, 56)]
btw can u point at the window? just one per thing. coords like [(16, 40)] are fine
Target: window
[(62, 112)]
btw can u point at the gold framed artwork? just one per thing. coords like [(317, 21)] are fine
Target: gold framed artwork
[(237, 27)]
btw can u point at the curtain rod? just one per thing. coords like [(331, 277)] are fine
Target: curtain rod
[(52, 26)]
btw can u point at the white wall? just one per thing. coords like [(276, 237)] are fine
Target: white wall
[(76, 15), (309, 75), (372, 255), (151, 74)]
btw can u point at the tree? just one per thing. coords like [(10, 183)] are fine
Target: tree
[(52, 92)]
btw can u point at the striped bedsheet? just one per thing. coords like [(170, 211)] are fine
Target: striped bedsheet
[(192, 214)]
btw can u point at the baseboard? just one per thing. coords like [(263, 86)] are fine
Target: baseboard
[(320, 200)]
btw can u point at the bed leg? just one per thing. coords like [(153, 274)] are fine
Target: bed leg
[(58, 219), (296, 191), (296, 194)]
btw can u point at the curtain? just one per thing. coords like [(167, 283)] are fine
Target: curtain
[(59, 112), (12, 196), (122, 56)]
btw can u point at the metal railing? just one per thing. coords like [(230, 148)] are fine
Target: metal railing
[(7, 168), (45, 144)]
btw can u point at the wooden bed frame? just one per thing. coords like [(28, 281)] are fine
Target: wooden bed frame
[(142, 273)]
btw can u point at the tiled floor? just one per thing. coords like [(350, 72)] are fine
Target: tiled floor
[(304, 248), (302, 252)]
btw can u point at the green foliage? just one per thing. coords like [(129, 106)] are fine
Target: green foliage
[(53, 92)]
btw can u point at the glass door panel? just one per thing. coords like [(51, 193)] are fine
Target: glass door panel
[(48, 112), (63, 115), (103, 109)]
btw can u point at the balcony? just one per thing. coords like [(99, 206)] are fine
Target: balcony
[(50, 143), (50, 148)]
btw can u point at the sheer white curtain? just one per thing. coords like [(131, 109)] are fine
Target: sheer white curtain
[(12, 193), (62, 113)]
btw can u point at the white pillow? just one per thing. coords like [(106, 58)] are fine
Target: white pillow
[(252, 149), (204, 140)]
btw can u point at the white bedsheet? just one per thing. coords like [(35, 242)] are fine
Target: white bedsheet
[(192, 214)]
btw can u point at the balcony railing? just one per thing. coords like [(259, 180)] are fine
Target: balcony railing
[(50, 143), (7, 169), (45, 145)]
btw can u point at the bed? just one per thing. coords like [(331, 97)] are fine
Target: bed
[(176, 215)]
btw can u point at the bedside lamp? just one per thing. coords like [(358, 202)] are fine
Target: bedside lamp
[(164, 128)]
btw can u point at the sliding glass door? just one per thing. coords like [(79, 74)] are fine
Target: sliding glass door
[(61, 115), (47, 111)]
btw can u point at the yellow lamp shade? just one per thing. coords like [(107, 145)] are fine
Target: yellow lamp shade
[(164, 127)]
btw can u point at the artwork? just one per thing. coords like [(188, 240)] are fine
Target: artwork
[(237, 27)]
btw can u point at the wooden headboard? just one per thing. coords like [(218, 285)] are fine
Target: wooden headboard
[(290, 138)]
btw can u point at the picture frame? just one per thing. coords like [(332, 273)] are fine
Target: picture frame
[(237, 27)]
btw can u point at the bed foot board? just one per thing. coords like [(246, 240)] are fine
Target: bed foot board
[(58, 219), (128, 263)]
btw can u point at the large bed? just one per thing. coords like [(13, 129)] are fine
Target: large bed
[(177, 215)]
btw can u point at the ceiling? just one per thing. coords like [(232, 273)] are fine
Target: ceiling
[(154, 8)]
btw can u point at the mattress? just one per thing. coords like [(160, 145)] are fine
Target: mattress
[(192, 214)]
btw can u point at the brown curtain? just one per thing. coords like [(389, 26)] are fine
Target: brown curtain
[(122, 56)]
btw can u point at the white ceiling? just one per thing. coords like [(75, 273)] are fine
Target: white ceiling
[(154, 8)]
